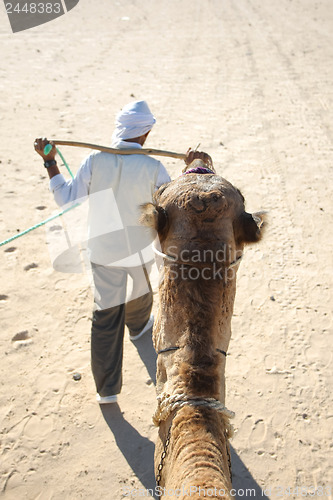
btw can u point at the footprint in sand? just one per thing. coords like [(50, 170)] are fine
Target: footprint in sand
[(37, 427), (256, 430), (33, 265), (22, 337), (55, 228), (259, 432), (3, 297), (10, 249), (316, 350)]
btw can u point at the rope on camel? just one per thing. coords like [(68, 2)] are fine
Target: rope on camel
[(166, 404)]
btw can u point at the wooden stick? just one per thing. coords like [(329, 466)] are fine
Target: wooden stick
[(152, 152)]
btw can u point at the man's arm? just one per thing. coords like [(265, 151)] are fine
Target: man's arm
[(65, 191)]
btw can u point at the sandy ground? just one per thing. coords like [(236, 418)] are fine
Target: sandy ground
[(251, 80)]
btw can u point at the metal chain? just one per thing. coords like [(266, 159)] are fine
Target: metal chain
[(229, 457), (164, 453)]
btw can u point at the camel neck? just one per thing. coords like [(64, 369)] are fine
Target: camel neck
[(197, 318), (198, 467)]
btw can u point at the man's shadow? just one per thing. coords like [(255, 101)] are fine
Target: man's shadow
[(136, 449), (243, 482)]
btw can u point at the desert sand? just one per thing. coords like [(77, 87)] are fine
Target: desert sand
[(251, 80)]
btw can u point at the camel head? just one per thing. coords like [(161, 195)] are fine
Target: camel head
[(197, 212), (202, 227)]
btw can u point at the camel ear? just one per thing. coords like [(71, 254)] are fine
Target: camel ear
[(154, 217), (249, 227)]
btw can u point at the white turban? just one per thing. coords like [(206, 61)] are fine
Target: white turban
[(134, 120)]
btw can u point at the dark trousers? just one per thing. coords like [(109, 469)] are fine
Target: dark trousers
[(108, 324)]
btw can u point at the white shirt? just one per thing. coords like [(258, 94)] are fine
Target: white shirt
[(105, 244), (67, 191)]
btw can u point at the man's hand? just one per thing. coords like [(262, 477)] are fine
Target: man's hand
[(40, 144), (194, 155)]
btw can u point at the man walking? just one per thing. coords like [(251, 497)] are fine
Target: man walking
[(116, 185)]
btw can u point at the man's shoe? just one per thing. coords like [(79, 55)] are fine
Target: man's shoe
[(145, 329), (103, 400)]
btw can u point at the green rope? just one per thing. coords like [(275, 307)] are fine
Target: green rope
[(64, 162), (22, 233)]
